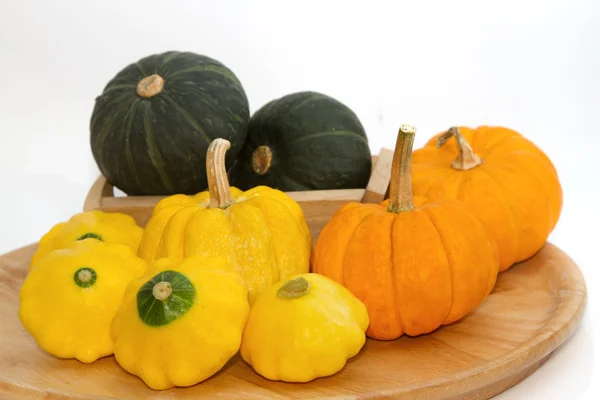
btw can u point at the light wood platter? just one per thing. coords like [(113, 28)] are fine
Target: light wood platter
[(534, 308)]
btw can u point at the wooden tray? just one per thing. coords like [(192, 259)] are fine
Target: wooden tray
[(318, 205), (533, 309)]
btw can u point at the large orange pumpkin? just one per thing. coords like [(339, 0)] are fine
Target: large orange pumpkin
[(503, 178), (416, 264)]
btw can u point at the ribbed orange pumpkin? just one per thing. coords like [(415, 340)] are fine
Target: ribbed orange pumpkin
[(416, 264), (504, 179)]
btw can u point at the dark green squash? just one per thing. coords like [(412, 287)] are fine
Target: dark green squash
[(152, 124), (304, 141)]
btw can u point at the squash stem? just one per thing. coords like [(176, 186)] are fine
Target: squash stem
[(466, 158), (85, 277), (218, 184), (150, 86), (401, 198), (294, 288), (261, 160), (162, 290)]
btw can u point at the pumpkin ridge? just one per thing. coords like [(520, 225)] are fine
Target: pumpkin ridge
[(479, 136), (194, 89), (104, 134), (110, 119), (139, 66), (118, 86), (311, 96), (342, 280), (262, 121), (128, 154), (269, 246), (109, 105), (187, 116), (462, 187), (207, 68), (514, 232), (328, 133), (442, 175), (284, 206), (534, 176), (393, 280), (445, 247), (491, 146), (268, 228), (154, 151), (167, 99), (166, 61), (375, 210)]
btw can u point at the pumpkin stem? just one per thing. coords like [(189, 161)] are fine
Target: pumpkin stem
[(401, 198), (218, 184), (466, 158), (162, 290), (261, 160), (294, 288), (150, 86)]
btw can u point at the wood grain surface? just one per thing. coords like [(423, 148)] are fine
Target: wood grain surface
[(534, 308), (379, 182)]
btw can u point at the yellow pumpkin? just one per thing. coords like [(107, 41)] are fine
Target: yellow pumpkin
[(96, 224), (263, 230), (303, 328), (68, 301), (182, 321)]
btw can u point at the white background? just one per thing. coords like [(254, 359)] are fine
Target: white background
[(529, 65)]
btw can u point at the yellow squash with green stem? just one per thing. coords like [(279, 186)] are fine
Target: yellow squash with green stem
[(262, 230), (182, 321), (96, 224), (69, 299), (303, 328)]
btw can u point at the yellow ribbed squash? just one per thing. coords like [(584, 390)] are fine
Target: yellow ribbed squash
[(304, 328), (182, 321), (68, 301), (263, 230), (96, 224)]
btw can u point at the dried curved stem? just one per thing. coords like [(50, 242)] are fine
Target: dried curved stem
[(466, 158)]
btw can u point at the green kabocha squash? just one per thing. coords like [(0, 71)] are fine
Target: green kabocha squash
[(152, 124), (304, 141)]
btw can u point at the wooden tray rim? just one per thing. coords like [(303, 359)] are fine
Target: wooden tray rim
[(101, 193)]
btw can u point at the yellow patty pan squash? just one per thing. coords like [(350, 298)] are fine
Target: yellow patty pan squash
[(304, 328), (262, 229), (182, 321), (69, 299), (100, 225)]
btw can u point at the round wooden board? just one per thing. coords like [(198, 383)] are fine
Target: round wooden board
[(534, 308)]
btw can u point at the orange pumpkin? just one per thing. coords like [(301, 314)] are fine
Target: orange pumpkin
[(416, 264), (504, 179)]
